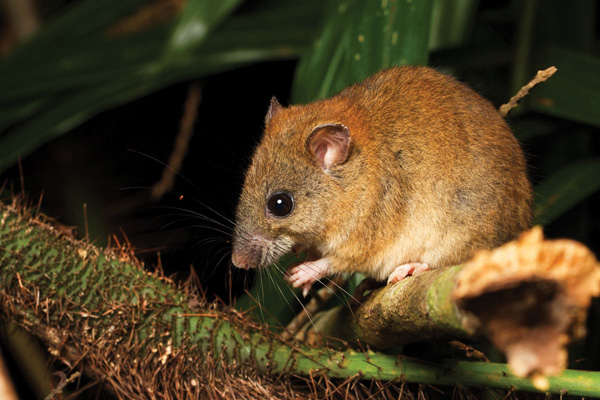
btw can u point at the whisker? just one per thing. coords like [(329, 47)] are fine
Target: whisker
[(187, 180), (298, 300), (198, 215), (225, 253), (262, 288), (335, 284), (274, 283), (326, 280), (210, 228)]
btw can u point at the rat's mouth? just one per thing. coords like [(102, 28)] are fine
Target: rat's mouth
[(298, 248), (312, 253), (257, 251)]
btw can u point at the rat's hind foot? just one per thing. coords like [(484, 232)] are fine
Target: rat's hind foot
[(305, 274), (403, 271)]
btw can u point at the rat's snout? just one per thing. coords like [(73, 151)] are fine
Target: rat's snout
[(241, 260), (247, 252)]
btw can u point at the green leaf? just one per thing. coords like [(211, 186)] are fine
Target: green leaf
[(83, 55), (573, 92), (271, 299), (565, 188), (451, 23), (196, 21), (359, 38)]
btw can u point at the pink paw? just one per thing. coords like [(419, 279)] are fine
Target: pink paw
[(405, 270), (305, 274)]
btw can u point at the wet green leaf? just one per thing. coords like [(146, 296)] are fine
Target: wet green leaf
[(194, 24), (359, 38)]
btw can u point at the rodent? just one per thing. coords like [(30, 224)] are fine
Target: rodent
[(409, 168)]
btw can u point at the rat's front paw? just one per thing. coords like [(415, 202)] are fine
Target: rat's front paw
[(305, 274), (403, 271)]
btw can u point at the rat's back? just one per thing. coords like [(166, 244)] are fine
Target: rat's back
[(464, 181)]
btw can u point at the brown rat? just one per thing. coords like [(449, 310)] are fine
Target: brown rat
[(406, 171)]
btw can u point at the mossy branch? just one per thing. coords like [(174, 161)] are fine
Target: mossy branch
[(141, 335), (528, 297)]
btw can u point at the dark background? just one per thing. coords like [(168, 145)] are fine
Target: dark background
[(110, 161)]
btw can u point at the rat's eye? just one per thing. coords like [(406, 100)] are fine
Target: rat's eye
[(280, 204)]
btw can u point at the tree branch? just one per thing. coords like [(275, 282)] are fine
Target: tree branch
[(528, 297), (541, 76), (140, 334)]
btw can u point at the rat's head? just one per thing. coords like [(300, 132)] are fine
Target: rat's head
[(291, 185)]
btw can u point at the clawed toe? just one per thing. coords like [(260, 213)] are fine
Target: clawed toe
[(405, 270), (299, 278), (305, 274)]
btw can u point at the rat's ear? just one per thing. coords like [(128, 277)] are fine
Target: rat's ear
[(274, 108), (329, 144)]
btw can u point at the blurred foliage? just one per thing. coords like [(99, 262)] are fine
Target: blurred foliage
[(575, 92), (566, 188), (95, 56)]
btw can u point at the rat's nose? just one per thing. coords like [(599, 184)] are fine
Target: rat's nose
[(240, 260), (247, 251)]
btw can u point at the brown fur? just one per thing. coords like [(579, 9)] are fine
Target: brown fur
[(433, 173)]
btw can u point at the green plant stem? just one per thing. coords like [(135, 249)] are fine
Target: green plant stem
[(83, 301)]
